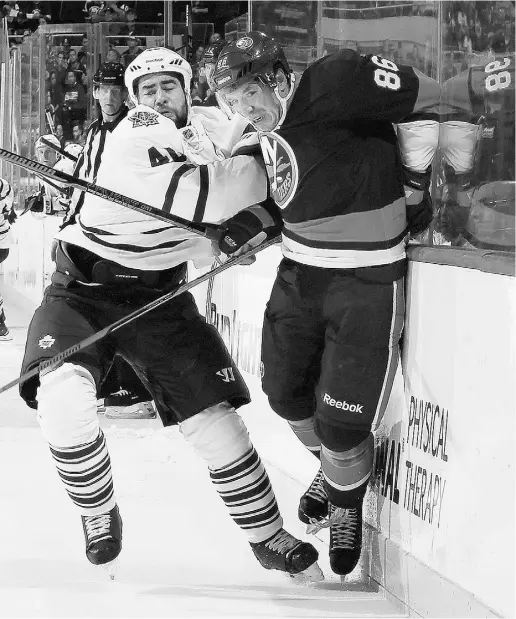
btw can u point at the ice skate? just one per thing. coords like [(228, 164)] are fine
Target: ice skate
[(122, 405), (5, 335), (313, 505), (287, 554), (103, 536), (345, 538)]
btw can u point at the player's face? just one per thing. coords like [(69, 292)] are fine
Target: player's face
[(110, 98), (164, 93), (47, 156), (256, 102)]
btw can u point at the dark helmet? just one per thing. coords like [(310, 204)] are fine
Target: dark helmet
[(109, 73), (253, 54), (212, 51)]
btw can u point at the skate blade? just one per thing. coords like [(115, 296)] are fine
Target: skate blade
[(111, 568), (313, 573)]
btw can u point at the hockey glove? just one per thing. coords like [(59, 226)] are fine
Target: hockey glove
[(420, 181), (251, 226), (420, 215)]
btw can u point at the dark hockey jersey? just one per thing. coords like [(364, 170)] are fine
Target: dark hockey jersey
[(334, 165)]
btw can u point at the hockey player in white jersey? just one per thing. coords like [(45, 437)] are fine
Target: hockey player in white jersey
[(109, 261), (7, 217)]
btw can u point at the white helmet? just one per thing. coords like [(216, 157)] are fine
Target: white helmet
[(48, 138), (73, 149), (158, 60)]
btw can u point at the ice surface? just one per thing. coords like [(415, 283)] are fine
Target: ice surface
[(182, 555)]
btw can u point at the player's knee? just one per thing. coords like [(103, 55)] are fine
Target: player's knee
[(217, 434), (342, 437), (67, 406), (292, 410)]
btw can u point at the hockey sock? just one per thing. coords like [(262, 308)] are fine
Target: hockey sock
[(86, 473), (245, 488), (347, 473), (305, 432)]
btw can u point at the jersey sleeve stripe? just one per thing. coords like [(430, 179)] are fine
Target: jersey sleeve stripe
[(200, 207), (137, 249), (88, 150), (172, 188), (98, 156)]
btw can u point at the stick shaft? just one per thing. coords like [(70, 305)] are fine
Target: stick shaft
[(65, 354), (207, 230)]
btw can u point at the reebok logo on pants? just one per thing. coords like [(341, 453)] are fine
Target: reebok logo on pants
[(353, 408)]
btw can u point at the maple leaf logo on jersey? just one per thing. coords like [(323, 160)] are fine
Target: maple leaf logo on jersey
[(46, 342), (281, 166), (144, 119)]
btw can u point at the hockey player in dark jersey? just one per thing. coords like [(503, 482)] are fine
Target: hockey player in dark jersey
[(477, 206), (110, 261), (351, 187)]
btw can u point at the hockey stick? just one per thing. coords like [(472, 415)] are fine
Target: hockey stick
[(208, 230), (61, 151), (54, 361)]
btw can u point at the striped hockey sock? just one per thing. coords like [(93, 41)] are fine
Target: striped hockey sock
[(245, 488), (86, 473)]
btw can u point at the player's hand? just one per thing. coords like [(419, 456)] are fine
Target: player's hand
[(250, 227), (257, 240)]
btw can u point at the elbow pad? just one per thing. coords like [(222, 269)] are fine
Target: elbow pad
[(418, 142), (243, 227), (458, 143)]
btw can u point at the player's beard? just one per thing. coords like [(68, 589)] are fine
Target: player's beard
[(177, 116)]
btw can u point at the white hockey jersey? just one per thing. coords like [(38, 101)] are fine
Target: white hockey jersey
[(181, 171)]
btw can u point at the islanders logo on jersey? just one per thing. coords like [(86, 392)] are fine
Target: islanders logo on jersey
[(282, 168), (143, 119)]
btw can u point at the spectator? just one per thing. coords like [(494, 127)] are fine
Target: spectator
[(131, 52), (50, 111), (77, 134), (56, 90), (113, 55), (196, 99), (74, 103), (59, 134), (62, 68), (74, 64), (129, 29), (197, 63)]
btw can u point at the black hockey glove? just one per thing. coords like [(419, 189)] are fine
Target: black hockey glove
[(247, 226), (34, 203), (420, 215), (11, 216), (417, 180)]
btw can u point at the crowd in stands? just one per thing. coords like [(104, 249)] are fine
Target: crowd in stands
[(474, 31), (478, 26), (69, 66)]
